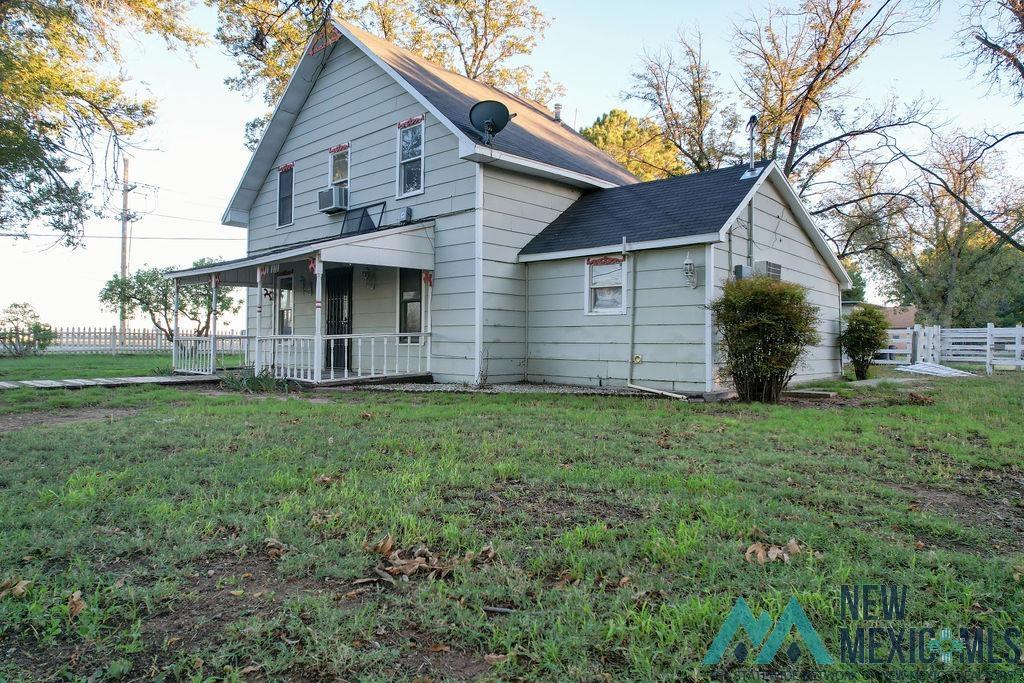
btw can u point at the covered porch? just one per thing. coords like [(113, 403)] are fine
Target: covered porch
[(329, 312)]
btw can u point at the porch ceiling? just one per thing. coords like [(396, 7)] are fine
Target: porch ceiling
[(407, 246)]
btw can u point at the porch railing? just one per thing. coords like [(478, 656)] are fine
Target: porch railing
[(375, 355), (192, 355)]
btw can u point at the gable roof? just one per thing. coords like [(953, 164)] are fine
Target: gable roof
[(683, 206), (533, 133), (533, 142), (692, 209)]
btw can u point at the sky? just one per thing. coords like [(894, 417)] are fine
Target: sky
[(190, 161)]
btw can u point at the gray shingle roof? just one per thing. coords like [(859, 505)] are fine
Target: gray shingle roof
[(532, 134), (695, 204)]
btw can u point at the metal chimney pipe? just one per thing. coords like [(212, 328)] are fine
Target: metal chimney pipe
[(558, 112), (751, 129)]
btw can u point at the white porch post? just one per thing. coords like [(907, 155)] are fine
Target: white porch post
[(174, 333), (259, 320), (318, 331), (213, 323)]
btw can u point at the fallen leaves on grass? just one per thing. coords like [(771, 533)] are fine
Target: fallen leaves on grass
[(495, 659), (15, 587), (76, 605), (275, 548), (920, 399), (418, 560), (763, 553)]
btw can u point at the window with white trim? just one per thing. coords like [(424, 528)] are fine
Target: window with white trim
[(606, 285), (285, 194), (338, 166), (284, 323), (410, 303), (410, 156)]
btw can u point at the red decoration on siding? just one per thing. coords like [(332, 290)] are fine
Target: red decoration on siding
[(339, 148), (322, 41), (605, 260), (312, 264), (286, 167), (410, 122), (428, 278)]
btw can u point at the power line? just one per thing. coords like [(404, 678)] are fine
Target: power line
[(117, 237)]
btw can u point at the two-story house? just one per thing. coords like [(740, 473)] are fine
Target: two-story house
[(385, 238)]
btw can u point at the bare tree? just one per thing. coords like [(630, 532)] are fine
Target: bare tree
[(993, 41), (795, 65), (680, 88)]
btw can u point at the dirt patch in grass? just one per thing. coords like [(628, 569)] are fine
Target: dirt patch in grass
[(424, 658), (557, 507), (220, 590), (999, 515), (15, 421)]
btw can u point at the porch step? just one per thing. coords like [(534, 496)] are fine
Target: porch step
[(410, 378), (109, 382)]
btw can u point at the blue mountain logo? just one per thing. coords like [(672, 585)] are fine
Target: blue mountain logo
[(766, 639)]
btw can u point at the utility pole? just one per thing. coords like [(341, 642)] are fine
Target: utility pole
[(125, 189)]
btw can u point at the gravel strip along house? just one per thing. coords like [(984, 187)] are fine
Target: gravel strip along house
[(389, 237)]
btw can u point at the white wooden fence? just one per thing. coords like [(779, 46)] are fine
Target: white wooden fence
[(994, 347), (107, 340)]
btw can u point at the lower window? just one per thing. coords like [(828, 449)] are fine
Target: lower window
[(606, 277), (410, 304)]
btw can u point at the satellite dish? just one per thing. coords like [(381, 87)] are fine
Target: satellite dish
[(489, 117)]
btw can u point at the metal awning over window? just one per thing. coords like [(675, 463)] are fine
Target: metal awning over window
[(408, 246)]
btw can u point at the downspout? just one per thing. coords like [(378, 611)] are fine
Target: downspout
[(633, 267), (750, 233)]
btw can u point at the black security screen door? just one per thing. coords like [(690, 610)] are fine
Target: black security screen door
[(338, 316)]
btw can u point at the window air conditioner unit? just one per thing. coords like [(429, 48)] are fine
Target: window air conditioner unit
[(741, 271), (333, 199), (768, 269)]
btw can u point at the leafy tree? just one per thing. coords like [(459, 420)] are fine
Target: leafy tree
[(477, 38), (21, 331), (150, 292), (864, 332), (860, 284), (635, 143), (766, 326), (57, 107), (695, 117)]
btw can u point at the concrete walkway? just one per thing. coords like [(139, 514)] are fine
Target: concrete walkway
[(107, 382)]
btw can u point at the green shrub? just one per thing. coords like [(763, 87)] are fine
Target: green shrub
[(22, 333), (765, 326), (865, 331), (250, 382)]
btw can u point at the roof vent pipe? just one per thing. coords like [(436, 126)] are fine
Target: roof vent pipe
[(558, 112), (751, 130)]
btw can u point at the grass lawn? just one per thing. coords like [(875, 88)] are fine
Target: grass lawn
[(84, 366), (87, 365), (182, 534)]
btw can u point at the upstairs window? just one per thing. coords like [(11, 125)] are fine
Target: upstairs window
[(410, 156), (285, 194), (606, 290), (410, 303), (338, 166)]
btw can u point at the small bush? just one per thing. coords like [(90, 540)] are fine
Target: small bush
[(250, 382), (766, 326), (22, 333), (865, 331)]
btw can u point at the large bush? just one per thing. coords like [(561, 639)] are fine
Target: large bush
[(21, 332), (865, 331), (765, 326)]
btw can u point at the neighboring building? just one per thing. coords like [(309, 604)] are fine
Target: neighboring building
[(535, 257), (900, 316)]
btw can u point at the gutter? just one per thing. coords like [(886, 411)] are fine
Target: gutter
[(634, 257)]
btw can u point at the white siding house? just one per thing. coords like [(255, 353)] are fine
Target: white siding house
[(531, 257)]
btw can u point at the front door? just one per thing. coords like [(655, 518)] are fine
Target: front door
[(338, 316)]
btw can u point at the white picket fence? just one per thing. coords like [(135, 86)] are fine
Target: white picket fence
[(994, 347), (107, 340)]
